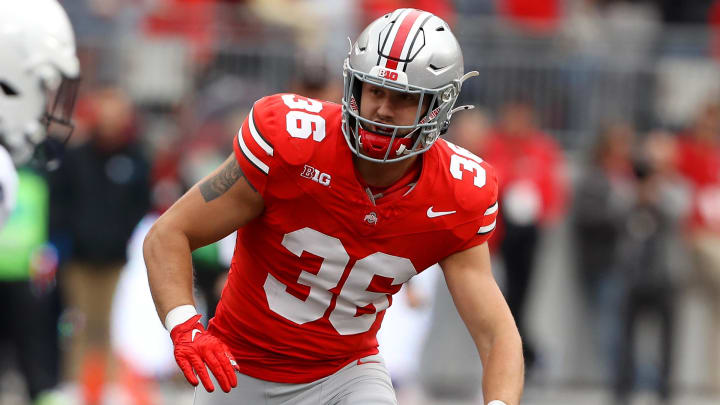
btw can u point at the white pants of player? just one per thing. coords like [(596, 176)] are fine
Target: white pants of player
[(362, 382)]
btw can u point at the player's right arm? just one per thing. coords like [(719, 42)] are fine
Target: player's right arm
[(215, 207), (219, 204)]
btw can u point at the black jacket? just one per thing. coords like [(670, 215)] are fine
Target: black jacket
[(97, 197)]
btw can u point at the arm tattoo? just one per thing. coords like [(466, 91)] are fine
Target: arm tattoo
[(218, 184)]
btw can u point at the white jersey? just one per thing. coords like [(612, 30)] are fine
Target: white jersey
[(8, 185)]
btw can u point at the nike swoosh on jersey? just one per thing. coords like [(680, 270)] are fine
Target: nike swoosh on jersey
[(433, 214)]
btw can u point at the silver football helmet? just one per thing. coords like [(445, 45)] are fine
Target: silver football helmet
[(38, 74), (410, 51)]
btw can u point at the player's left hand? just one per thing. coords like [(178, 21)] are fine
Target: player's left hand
[(195, 347)]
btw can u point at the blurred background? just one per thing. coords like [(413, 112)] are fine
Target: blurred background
[(602, 118)]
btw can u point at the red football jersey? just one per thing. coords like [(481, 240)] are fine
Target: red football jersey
[(311, 277)]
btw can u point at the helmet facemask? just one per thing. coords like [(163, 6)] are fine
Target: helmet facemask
[(39, 136), (406, 140), (58, 123)]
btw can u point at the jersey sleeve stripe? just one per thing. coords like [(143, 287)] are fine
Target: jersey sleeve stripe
[(249, 155), (257, 136), (493, 209), (486, 229)]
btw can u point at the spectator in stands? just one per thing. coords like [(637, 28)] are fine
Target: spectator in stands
[(473, 8), (532, 192), (470, 130), (193, 21), (97, 197), (645, 264), (714, 22), (312, 78), (698, 161), (316, 24), (603, 197)]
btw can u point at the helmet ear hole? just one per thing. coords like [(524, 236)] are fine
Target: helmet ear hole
[(7, 89)]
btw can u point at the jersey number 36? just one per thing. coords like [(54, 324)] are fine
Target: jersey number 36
[(369, 283)]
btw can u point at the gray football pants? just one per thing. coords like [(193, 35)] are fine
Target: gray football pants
[(355, 384)]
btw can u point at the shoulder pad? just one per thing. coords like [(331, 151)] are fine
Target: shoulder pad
[(282, 130), (473, 185), (474, 182), (293, 124)]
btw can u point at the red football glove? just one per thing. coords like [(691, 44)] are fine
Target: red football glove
[(195, 347)]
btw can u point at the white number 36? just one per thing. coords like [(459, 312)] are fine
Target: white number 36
[(301, 124), (464, 160)]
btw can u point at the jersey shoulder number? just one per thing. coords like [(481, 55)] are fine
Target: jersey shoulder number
[(281, 129), (473, 184)]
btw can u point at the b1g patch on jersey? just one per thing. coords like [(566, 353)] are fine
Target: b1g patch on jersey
[(315, 175)]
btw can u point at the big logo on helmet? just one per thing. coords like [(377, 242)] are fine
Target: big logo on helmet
[(388, 74)]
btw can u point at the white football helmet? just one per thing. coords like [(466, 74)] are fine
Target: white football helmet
[(410, 51), (38, 74)]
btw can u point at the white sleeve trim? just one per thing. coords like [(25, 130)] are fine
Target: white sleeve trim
[(256, 135), (493, 209), (249, 155), (486, 229)]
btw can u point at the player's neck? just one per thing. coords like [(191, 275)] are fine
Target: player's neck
[(383, 174)]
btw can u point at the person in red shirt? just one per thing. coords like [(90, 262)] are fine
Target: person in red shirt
[(373, 9), (539, 17), (532, 192), (336, 206), (698, 160)]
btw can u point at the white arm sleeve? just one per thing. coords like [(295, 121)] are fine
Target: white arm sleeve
[(8, 185)]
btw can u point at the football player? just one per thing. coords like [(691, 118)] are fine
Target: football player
[(39, 72), (38, 83), (336, 206)]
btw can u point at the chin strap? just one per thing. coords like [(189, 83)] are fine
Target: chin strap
[(446, 124), (468, 75), (463, 107)]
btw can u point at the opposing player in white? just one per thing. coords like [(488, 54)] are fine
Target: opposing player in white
[(38, 81), (39, 72)]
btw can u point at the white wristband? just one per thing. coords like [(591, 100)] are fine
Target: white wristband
[(496, 402), (178, 315)]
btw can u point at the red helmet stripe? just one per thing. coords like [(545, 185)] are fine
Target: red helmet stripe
[(400, 38)]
